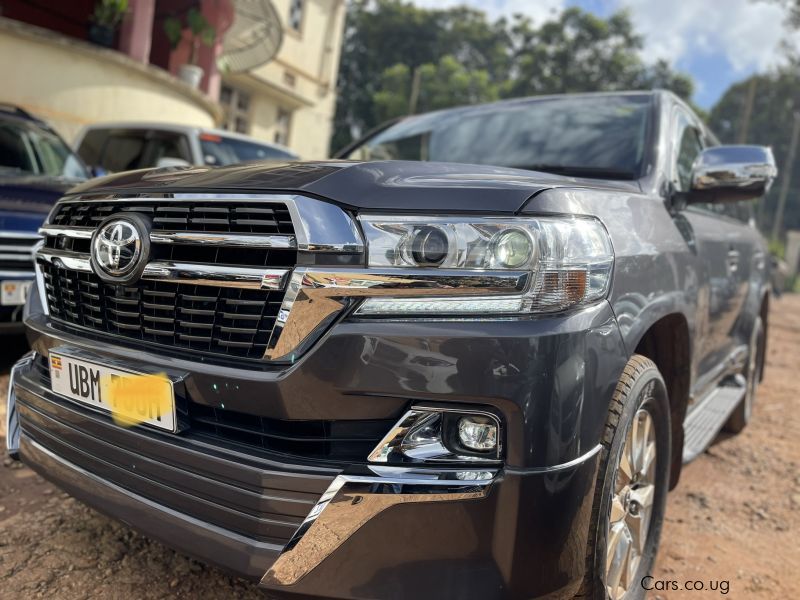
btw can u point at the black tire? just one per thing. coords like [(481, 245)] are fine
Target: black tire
[(752, 374), (641, 386)]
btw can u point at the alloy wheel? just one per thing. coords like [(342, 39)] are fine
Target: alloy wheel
[(631, 506)]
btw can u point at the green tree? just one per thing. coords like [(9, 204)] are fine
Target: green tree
[(381, 34), (774, 103), (460, 57), (440, 86)]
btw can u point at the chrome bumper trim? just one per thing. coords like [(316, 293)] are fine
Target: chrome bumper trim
[(352, 500), (12, 418), (560, 467)]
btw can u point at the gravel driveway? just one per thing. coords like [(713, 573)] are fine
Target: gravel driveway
[(735, 516)]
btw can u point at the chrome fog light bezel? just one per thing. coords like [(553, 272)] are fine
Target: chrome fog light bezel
[(429, 435)]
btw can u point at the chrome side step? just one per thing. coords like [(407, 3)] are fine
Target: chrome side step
[(704, 423)]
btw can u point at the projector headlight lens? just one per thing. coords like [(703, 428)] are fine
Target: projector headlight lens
[(429, 246), (512, 249)]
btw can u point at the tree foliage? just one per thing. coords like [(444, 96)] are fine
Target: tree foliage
[(458, 56), (774, 103)]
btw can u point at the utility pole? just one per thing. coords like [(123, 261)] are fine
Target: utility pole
[(787, 177), (415, 81), (747, 111)]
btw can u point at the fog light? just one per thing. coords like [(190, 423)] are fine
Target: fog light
[(477, 433)]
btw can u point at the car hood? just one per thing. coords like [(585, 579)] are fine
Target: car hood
[(379, 185)]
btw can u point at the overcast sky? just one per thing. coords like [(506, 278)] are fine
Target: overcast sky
[(718, 42)]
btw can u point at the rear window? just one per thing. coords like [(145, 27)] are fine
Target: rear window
[(220, 150)]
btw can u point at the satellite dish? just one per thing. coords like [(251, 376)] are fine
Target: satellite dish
[(253, 39)]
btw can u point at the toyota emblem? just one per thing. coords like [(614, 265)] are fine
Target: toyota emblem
[(119, 248)]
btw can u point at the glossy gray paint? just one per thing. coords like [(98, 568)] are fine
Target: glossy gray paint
[(548, 377)]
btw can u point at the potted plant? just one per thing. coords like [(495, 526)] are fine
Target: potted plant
[(201, 32), (105, 20)]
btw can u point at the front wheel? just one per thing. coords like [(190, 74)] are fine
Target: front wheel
[(632, 483)]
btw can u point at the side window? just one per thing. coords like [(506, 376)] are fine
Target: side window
[(689, 147), (123, 151)]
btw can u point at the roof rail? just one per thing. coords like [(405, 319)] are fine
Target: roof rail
[(13, 108)]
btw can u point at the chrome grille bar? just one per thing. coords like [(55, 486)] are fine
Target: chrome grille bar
[(177, 272), (216, 275), (238, 240), (195, 238), (80, 233)]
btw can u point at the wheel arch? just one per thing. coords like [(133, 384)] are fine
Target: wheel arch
[(667, 342)]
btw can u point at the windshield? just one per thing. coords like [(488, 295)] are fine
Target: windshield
[(587, 136), (220, 150), (29, 150)]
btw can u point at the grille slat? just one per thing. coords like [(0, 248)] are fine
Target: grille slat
[(200, 215), (227, 322), (330, 440)]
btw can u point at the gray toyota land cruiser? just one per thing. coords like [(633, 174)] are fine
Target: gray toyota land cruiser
[(468, 362)]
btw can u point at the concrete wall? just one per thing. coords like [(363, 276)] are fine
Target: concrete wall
[(71, 84), (310, 59)]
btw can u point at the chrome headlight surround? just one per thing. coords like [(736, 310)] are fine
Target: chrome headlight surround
[(568, 260)]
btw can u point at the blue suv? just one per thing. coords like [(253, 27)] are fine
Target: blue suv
[(36, 168)]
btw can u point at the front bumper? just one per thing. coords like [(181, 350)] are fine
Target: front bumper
[(353, 531)]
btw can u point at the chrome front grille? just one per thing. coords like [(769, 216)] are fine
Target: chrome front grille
[(213, 284), (16, 251)]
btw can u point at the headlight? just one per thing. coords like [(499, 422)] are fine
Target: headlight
[(568, 260)]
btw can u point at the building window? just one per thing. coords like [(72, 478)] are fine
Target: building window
[(282, 124), (296, 14), (236, 106)]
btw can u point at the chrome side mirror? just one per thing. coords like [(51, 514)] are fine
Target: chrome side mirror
[(730, 173)]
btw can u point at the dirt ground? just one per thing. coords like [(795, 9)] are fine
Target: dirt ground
[(732, 524)]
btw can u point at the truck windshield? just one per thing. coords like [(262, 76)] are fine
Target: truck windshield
[(600, 136), (31, 150), (220, 150)]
